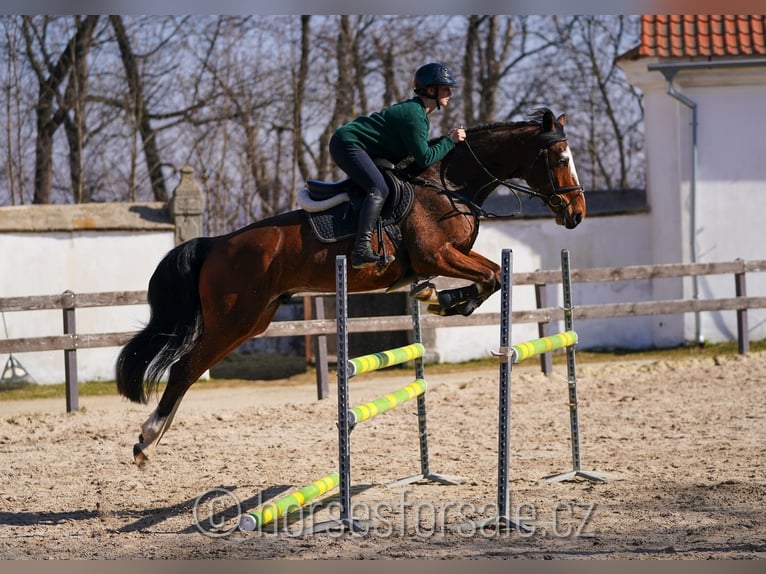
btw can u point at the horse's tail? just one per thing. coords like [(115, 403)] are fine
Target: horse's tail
[(174, 325)]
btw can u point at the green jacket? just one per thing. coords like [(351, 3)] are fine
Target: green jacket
[(396, 132)]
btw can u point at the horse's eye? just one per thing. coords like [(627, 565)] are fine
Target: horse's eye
[(563, 162)]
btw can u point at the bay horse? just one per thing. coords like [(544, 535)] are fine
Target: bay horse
[(210, 294)]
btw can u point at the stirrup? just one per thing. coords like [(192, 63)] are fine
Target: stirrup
[(364, 261)]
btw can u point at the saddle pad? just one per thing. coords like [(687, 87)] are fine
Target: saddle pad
[(341, 222)]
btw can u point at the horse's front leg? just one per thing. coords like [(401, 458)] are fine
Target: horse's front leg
[(425, 292), (482, 272), (459, 301)]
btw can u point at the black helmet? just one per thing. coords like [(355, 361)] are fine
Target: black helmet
[(433, 74)]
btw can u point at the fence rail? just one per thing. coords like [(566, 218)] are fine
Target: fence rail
[(71, 341)]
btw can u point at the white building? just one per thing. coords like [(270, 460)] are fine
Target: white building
[(703, 80)]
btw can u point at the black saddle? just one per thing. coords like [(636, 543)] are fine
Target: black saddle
[(341, 221)]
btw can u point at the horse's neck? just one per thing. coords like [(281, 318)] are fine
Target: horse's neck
[(469, 177), (474, 170), (479, 168)]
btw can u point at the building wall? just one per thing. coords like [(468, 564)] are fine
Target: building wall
[(730, 196), (82, 262), (88, 248)]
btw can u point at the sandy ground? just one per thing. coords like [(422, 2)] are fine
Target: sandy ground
[(683, 442)]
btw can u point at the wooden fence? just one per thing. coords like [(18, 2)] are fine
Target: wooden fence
[(70, 341)]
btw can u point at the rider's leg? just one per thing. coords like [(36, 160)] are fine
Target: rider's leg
[(363, 171), (362, 255)]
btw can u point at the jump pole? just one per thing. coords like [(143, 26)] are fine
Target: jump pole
[(349, 418), (271, 511), (574, 421), (345, 521), (503, 518)]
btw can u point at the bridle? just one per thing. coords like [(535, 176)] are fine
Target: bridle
[(555, 200)]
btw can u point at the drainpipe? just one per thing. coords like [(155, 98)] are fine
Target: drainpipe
[(669, 73)]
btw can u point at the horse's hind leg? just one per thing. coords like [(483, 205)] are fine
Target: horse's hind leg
[(215, 342), (161, 418)]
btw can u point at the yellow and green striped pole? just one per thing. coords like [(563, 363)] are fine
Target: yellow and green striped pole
[(539, 346), (375, 361), (386, 403), (273, 510)]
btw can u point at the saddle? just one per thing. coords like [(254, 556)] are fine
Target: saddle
[(332, 208)]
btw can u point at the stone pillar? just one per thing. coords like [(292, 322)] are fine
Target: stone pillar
[(186, 207)]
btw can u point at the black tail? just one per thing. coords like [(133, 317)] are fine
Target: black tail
[(174, 324)]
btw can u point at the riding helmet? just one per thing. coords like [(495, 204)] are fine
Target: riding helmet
[(433, 74)]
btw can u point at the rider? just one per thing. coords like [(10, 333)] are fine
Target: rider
[(392, 134)]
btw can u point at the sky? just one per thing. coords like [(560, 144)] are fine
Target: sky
[(375, 6)]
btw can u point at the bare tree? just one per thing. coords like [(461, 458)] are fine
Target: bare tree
[(138, 107), (343, 108), (252, 101), (51, 73), (611, 107), (496, 51), (14, 94), (299, 93)]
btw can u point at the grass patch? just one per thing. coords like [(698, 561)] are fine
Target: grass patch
[(28, 391), (271, 366), (258, 366)]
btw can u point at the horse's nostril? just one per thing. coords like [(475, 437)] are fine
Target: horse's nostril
[(574, 221)]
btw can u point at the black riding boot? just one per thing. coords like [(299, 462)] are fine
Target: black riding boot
[(362, 255)]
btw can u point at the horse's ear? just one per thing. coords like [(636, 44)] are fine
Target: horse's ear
[(548, 121), (562, 120)]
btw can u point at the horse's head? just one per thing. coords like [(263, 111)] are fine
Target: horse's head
[(552, 174), (495, 154)]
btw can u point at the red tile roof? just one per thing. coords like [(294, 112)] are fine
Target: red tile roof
[(680, 36)]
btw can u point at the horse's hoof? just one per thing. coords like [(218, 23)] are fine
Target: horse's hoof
[(139, 457), (436, 310), (467, 308), (426, 291)]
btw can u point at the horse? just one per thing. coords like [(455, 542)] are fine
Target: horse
[(210, 294)]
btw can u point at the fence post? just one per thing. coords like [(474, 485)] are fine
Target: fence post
[(541, 299), (186, 207), (320, 351), (743, 336), (70, 355)]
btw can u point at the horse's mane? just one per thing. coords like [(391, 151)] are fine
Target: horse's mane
[(534, 118)]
